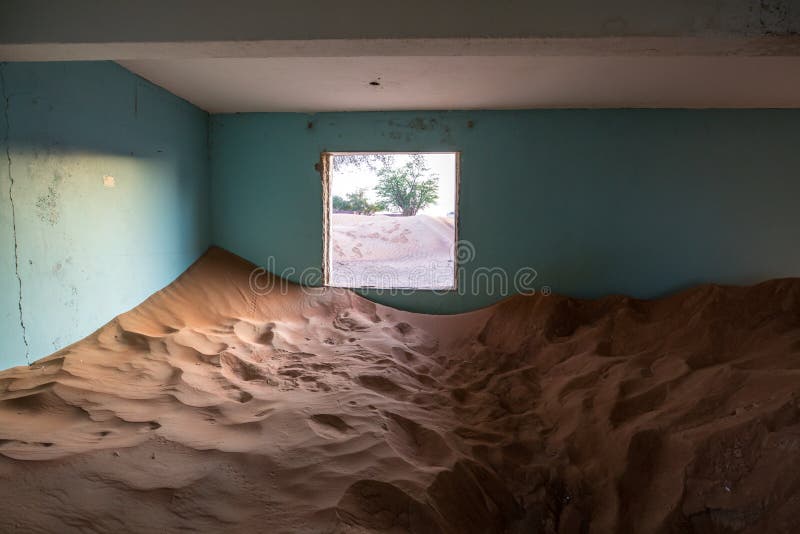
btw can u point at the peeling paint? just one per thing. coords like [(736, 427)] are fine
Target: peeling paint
[(47, 204), (774, 17), (420, 123), (404, 131)]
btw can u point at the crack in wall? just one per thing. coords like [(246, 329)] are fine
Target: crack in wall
[(6, 108)]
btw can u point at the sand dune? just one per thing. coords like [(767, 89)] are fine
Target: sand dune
[(387, 251), (210, 409)]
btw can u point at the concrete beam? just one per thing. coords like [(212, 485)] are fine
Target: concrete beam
[(165, 29)]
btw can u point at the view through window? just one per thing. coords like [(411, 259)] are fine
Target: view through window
[(391, 220)]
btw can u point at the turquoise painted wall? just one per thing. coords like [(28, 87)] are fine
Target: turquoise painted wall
[(641, 202), (86, 252)]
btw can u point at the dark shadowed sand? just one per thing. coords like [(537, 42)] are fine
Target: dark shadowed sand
[(210, 409)]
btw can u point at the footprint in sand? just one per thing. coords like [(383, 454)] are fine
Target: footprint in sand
[(257, 334), (235, 368), (329, 426), (402, 238), (380, 506), (416, 443), (383, 386)]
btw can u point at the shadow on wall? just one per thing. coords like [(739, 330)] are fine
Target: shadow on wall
[(104, 199), (92, 234)]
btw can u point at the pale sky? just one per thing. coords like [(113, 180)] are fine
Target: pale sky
[(350, 179)]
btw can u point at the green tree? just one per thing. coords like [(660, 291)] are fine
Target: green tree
[(357, 202), (340, 204), (409, 188)]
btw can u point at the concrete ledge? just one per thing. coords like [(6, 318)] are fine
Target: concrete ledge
[(553, 47), (158, 29)]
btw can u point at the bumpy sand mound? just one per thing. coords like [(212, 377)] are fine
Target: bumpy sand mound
[(208, 409)]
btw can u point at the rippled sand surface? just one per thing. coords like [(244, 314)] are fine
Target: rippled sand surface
[(208, 408)]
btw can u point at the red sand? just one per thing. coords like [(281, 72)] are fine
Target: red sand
[(208, 409)]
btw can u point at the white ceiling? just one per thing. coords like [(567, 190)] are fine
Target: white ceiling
[(311, 84)]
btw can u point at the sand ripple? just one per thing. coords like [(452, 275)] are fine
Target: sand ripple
[(210, 409)]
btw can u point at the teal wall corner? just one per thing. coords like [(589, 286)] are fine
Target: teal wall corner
[(113, 181), (110, 199)]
